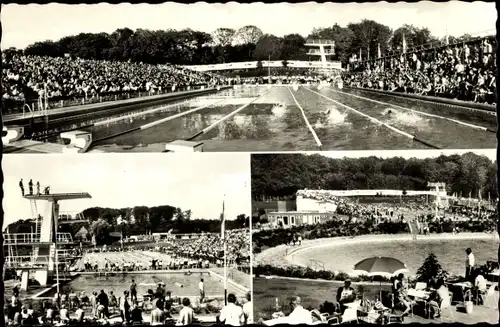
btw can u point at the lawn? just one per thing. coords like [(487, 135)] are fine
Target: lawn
[(312, 293)]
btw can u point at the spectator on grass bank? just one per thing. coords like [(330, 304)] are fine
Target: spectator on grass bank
[(186, 315), (232, 314)]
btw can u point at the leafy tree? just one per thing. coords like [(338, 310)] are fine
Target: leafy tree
[(82, 234), (431, 270), (100, 229), (268, 45)]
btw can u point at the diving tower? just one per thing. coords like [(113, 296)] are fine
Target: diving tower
[(45, 241), (324, 49)]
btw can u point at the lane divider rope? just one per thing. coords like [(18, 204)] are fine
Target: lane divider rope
[(375, 120), (160, 121), (313, 132), (417, 111), (233, 113)]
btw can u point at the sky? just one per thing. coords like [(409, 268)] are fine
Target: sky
[(188, 181), (419, 154), (26, 24)]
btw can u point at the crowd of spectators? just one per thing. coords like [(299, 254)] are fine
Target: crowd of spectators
[(30, 77), (211, 247), (101, 308), (464, 71)]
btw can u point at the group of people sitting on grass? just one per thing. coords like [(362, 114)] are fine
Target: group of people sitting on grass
[(464, 71)]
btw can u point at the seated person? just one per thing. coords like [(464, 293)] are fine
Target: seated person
[(186, 316), (63, 314), (401, 296), (434, 303), (79, 314), (136, 314), (157, 315), (345, 294), (299, 315), (480, 286)]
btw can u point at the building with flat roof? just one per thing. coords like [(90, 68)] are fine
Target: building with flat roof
[(287, 219)]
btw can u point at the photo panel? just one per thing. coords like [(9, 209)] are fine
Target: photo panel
[(259, 78), (375, 237), (120, 238)]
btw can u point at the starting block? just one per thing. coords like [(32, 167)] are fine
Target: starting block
[(12, 134), (184, 146), (79, 141)]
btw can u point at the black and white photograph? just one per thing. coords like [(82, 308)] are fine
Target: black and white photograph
[(248, 77), (127, 240), (378, 237)]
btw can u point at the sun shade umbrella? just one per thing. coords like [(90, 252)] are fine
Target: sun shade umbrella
[(380, 266)]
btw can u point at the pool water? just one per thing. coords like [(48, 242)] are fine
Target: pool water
[(450, 253), (275, 122), (178, 283)]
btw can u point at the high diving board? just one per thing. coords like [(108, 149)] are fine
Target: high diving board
[(58, 196)]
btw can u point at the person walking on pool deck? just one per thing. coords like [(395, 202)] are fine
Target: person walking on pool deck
[(30, 186), (133, 291), (21, 186), (202, 290), (38, 188), (469, 264), (345, 294)]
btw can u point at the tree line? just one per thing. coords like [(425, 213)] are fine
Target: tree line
[(281, 176), (103, 223), (190, 47)]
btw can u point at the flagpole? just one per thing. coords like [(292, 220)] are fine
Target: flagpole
[(251, 264), (225, 250)]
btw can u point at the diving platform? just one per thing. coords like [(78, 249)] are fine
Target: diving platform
[(58, 196), (49, 247), (324, 49)]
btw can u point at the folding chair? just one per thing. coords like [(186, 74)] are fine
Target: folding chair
[(446, 304), (350, 315)]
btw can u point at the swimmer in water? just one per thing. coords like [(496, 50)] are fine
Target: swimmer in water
[(389, 112)]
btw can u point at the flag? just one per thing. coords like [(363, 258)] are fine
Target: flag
[(447, 40), (404, 44), (379, 53), (223, 222)]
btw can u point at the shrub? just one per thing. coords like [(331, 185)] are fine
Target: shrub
[(431, 270)]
